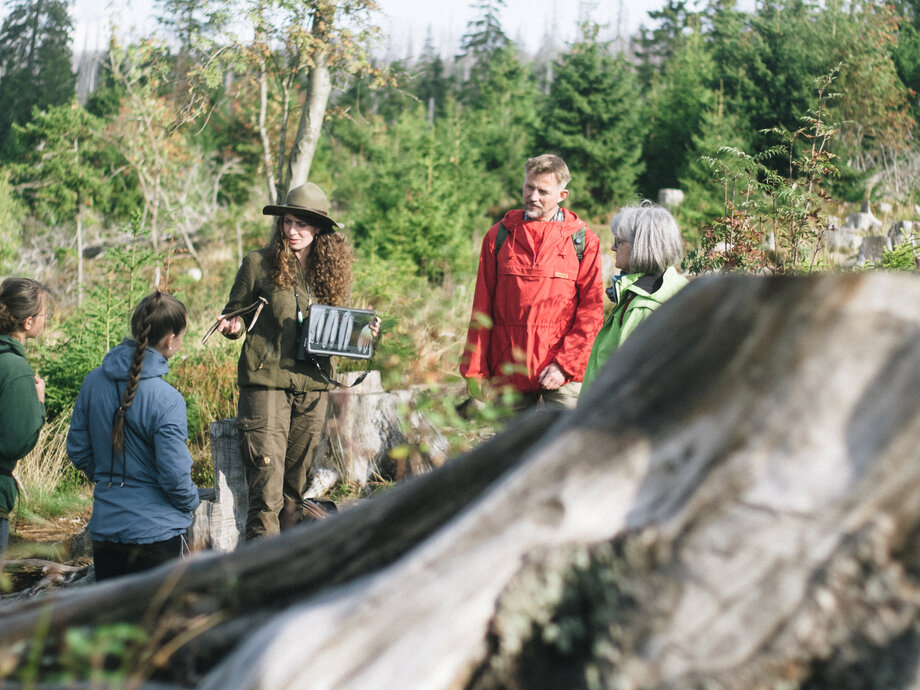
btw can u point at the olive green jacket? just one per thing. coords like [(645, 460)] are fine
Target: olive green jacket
[(21, 415), (268, 357)]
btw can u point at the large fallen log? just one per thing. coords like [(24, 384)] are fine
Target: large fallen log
[(735, 504)]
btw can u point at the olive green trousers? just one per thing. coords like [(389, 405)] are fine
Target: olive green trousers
[(279, 434)]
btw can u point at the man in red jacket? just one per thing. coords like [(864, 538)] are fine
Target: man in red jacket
[(538, 301)]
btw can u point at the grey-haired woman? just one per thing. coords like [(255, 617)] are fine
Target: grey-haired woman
[(648, 245)]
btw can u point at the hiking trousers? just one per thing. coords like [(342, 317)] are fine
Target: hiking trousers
[(279, 433), (563, 398), (114, 559)]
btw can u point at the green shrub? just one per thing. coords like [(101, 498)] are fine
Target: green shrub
[(904, 257), (100, 323)]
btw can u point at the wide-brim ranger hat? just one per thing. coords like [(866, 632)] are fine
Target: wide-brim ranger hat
[(307, 201)]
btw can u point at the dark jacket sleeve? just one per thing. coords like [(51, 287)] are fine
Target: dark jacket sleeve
[(23, 415), (243, 292)]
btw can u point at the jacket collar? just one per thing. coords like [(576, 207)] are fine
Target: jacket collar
[(9, 344), (558, 217), (117, 362), (670, 282), (570, 221)]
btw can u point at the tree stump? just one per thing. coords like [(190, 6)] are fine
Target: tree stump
[(363, 427), (220, 522), (734, 504)]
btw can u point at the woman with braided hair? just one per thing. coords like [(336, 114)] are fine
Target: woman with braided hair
[(128, 435), (283, 398), (24, 306)]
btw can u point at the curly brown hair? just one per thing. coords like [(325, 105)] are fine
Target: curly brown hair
[(329, 266)]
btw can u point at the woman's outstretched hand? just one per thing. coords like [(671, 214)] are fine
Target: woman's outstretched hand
[(231, 326)]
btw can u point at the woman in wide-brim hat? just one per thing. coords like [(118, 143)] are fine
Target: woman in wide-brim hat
[(283, 399)]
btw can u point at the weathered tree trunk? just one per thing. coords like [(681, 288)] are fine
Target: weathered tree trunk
[(735, 504), (364, 426), (267, 161), (314, 106)]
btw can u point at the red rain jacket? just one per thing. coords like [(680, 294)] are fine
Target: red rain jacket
[(542, 304)]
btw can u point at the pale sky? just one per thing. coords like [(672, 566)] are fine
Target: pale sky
[(405, 23)]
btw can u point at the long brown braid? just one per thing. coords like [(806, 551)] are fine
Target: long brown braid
[(329, 267), (157, 315)]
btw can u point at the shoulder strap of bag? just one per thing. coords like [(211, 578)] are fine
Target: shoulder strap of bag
[(578, 239), (336, 384), (500, 237), (627, 298)]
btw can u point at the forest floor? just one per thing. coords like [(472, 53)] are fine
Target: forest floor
[(36, 545), (48, 539)]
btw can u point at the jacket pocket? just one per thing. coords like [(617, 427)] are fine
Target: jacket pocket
[(255, 353)]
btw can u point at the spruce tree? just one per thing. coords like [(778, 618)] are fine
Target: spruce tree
[(594, 121), (704, 196), (769, 60), (503, 123), (484, 38), (906, 56), (63, 172), (35, 63), (432, 84), (677, 100), (655, 47)]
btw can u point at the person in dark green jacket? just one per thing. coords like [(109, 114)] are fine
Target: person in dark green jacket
[(24, 306), (283, 399), (648, 244)]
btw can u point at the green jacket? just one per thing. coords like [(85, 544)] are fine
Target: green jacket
[(634, 305), (21, 415), (268, 356)]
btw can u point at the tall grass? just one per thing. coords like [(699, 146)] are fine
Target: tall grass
[(423, 327), (206, 377), (50, 485)]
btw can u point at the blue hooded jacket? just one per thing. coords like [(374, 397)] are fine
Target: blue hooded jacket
[(144, 494)]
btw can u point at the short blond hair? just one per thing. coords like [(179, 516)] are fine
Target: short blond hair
[(548, 163)]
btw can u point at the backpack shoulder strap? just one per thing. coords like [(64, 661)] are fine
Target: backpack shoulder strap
[(578, 239), (627, 298), (500, 237)]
